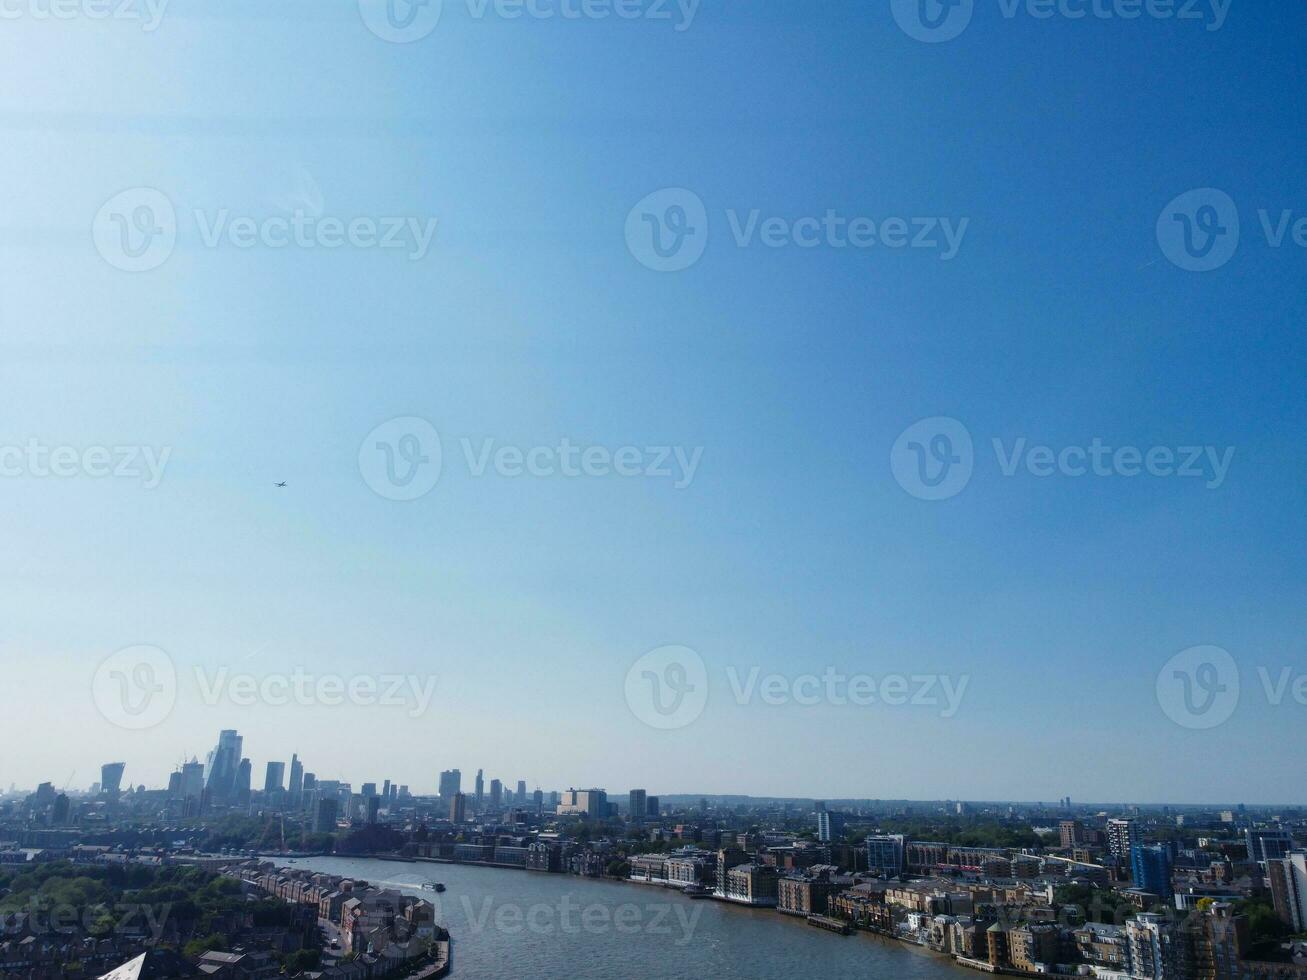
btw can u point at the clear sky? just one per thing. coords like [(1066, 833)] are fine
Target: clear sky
[(531, 319)]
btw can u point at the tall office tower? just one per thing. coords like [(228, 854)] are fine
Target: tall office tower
[(538, 798), (520, 796), (458, 808), (451, 781), (403, 791), (368, 789), (192, 779), (296, 785), (62, 809), (310, 782), (651, 808), (224, 761), (1267, 845), (830, 825), (326, 817), (175, 785), (273, 777), (241, 784), (1289, 889), (1150, 867), (385, 790), (374, 808), (480, 789), (1121, 836), (496, 793), (111, 779), (886, 854), (590, 802), (639, 803)]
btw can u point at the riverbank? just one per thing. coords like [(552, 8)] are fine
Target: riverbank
[(555, 921)]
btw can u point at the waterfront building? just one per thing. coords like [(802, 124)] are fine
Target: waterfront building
[(751, 884), (805, 894)]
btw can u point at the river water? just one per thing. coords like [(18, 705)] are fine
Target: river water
[(511, 925)]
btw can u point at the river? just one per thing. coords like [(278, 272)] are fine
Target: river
[(510, 925)]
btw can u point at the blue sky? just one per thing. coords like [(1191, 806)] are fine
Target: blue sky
[(794, 549)]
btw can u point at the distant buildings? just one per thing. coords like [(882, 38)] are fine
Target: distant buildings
[(273, 777), (325, 821), (458, 808), (638, 805), (451, 783), (1121, 837), (584, 802), (111, 779)]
